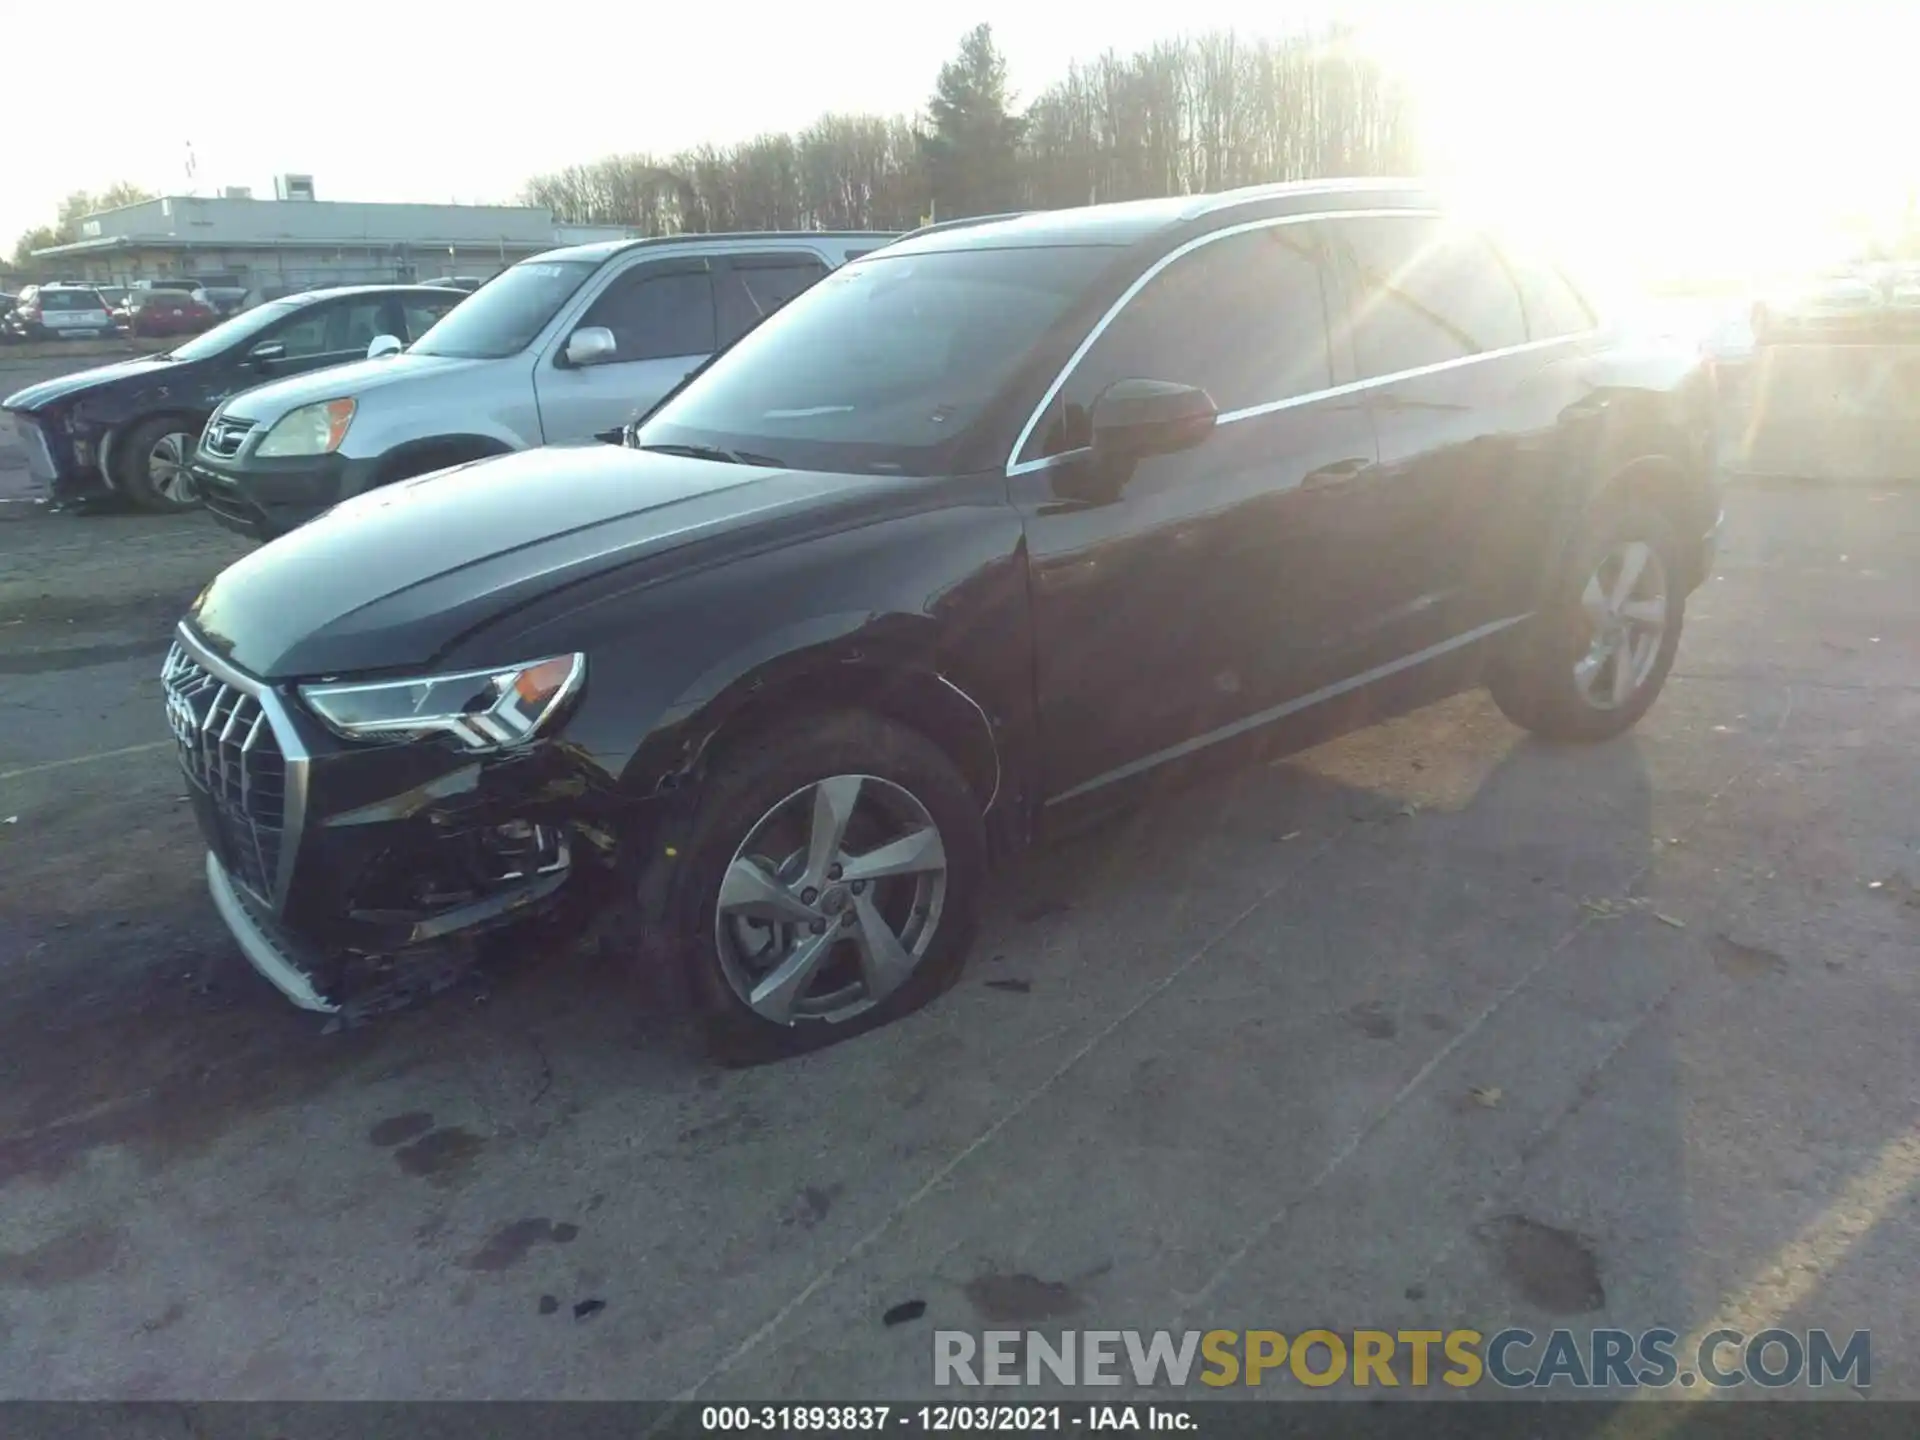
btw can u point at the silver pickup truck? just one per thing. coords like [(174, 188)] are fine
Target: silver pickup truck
[(564, 348)]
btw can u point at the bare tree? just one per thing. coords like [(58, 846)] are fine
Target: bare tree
[(1181, 117)]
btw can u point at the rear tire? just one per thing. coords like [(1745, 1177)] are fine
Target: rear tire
[(152, 459), (828, 884), (1593, 660)]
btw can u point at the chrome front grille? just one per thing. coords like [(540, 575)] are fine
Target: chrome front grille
[(229, 750), (225, 435)]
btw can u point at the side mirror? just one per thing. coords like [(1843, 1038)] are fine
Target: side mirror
[(591, 345), (1133, 419), (267, 351), (383, 346)]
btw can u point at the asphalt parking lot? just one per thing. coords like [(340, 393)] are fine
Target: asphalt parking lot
[(1433, 1027)]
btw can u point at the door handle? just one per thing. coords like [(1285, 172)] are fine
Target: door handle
[(1338, 473)]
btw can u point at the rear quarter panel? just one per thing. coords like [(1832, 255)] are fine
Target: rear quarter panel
[(1642, 399)]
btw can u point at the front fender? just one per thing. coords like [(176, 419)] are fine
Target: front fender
[(675, 655)]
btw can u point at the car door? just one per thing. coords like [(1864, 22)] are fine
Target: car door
[(662, 316), (1186, 605), (1465, 412)]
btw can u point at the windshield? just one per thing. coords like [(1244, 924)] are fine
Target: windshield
[(236, 331), (883, 364), (69, 300), (503, 316)]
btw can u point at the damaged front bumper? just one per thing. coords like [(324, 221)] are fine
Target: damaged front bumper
[(67, 459), (355, 875)]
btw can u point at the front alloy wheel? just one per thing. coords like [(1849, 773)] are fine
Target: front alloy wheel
[(153, 464), (827, 879), (167, 471), (831, 901)]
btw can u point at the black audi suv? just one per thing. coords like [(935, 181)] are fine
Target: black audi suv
[(987, 528)]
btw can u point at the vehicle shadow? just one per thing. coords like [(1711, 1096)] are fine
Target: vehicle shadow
[(144, 1028)]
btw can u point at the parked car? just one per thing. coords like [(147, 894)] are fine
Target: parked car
[(151, 313), (129, 428), (179, 284), (468, 283), (989, 528), (114, 296), (60, 312), (223, 292), (563, 348)]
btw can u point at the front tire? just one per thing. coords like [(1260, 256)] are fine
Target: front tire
[(1594, 658), (830, 880), (152, 461)]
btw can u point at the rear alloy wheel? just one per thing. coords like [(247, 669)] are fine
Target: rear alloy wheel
[(1625, 600), (1595, 657), (830, 880), (154, 461)]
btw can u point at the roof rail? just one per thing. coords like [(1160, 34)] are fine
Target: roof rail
[(942, 225)]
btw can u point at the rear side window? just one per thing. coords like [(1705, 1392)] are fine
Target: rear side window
[(1243, 318), (655, 313), (1554, 307), (1424, 293), (759, 285), (769, 286)]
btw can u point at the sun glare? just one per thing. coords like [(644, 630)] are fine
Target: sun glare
[(1696, 145)]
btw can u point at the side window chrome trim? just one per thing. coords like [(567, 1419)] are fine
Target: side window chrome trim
[(1356, 387), (1017, 466)]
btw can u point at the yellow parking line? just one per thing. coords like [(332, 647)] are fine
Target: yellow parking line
[(1791, 1273), (47, 765)]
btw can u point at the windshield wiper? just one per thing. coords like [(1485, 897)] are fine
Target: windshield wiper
[(714, 452)]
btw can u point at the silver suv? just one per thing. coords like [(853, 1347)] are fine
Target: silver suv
[(564, 348)]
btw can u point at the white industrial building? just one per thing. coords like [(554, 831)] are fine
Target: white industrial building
[(296, 239)]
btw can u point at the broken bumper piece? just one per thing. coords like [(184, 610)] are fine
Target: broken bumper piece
[(267, 948)]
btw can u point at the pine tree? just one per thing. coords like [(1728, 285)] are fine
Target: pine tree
[(972, 151)]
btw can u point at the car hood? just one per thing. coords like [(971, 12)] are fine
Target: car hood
[(269, 402), (47, 392), (390, 579)]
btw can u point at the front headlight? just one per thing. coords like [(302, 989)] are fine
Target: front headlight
[(310, 430), (481, 709)]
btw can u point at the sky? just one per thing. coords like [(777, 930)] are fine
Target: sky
[(1669, 131)]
